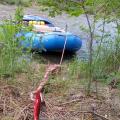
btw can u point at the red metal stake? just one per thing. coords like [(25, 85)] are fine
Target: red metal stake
[(38, 95), (37, 105)]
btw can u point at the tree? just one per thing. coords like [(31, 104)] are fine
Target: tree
[(98, 8)]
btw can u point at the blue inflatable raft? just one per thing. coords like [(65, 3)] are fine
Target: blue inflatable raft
[(51, 42)]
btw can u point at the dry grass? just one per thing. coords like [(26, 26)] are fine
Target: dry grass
[(64, 95), (61, 104)]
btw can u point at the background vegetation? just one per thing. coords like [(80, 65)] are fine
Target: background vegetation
[(12, 2), (104, 60), (102, 66), (11, 54)]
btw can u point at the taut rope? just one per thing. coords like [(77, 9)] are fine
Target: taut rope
[(38, 92)]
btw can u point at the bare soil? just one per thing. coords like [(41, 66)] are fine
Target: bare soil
[(73, 104)]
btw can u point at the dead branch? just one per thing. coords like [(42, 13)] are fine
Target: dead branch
[(100, 116)]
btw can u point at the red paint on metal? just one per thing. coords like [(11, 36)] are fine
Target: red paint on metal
[(38, 96), (37, 105)]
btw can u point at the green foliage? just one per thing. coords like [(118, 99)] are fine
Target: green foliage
[(59, 6), (19, 14), (75, 7), (17, 2), (8, 1), (10, 51), (107, 7), (106, 58)]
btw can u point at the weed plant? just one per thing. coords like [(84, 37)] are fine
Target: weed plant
[(10, 51), (105, 65)]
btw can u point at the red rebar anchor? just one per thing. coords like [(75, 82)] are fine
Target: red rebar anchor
[(37, 105), (38, 94)]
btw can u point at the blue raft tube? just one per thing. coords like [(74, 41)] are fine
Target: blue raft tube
[(51, 42)]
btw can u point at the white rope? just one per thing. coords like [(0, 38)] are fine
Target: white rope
[(64, 45), (49, 70)]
